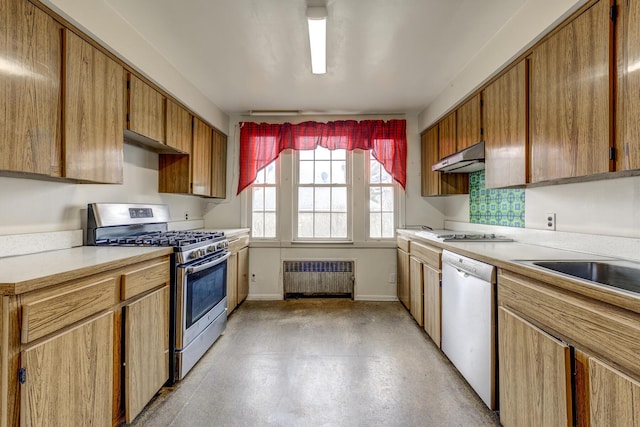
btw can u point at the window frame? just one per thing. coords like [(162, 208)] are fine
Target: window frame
[(367, 196), (277, 186), (295, 202)]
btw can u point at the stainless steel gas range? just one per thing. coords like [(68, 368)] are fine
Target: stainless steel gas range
[(198, 313)]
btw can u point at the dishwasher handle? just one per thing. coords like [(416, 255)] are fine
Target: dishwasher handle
[(470, 267)]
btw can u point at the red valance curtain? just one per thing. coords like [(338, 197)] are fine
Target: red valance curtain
[(262, 143)]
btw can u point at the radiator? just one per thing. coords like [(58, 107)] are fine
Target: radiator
[(318, 278)]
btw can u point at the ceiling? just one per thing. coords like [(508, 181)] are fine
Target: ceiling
[(383, 56)]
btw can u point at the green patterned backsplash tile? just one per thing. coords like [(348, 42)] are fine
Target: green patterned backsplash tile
[(493, 206)]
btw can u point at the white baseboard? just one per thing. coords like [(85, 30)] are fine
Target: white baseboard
[(383, 298), (265, 297)]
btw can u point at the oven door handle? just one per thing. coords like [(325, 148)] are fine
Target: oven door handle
[(213, 263)]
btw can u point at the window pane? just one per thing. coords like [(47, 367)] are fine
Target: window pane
[(260, 177), (375, 199), (339, 225), (323, 172), (257, 226), (270, 173), (258, 199), (387, 199), (374, 225), (322, 153), (385, 177), (270, 199), (306, 172), (387, 225), (339, 172), (374, 171), (306, 154), (305, 225), (322, 225), (270, 224), (323, 199), (339, 154), (305, 199), (339, 199)]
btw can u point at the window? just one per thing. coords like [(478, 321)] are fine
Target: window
[(323, 193), (381, 201), (263, 204)]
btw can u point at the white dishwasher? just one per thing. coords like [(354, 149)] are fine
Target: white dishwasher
[(468, 321)]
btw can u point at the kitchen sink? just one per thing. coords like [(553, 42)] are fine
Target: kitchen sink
[(618, 274)]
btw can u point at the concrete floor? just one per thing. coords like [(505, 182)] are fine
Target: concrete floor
[(320, 362)]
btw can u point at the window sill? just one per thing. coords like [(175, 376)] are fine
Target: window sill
[(391, 244)]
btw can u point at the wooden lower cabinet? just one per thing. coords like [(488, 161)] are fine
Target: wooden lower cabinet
[(146, 347), (432, 303), (416, 289), (535, 381), (614, 398), (232, 282), (68, 378), (404, 294), (243, 274)]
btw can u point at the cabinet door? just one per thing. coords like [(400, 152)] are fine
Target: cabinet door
[(31, 45), (93, 114), (628, 85), (417, 289), (505, 128), (447, 135), (614, 398), (179, 127), (69, 377), (432, 303), (243, 274), (232, 282), (468, 123), (219, 165), (146, 349), (429, 156), (570, 99), (535, 375), (403, 278), (145, 115), (201, 158)]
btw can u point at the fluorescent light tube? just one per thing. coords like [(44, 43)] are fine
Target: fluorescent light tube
[(317, 20)]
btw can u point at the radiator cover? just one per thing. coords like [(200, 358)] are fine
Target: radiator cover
[(318, 278)]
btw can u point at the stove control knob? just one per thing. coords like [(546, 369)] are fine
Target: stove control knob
[(211, 248)]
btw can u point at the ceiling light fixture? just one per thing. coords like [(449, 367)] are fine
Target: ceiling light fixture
[(317, 20)]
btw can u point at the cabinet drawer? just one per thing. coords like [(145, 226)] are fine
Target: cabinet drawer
[(428, 254), (239, 243), (145, 278), (403, 243), (47, 315)]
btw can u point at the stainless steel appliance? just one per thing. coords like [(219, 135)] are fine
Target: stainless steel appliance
[(471, 159), (462, 236), (199, 273), (468, 321)]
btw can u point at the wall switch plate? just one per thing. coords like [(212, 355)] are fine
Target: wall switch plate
[(253, 277), (550, 221)]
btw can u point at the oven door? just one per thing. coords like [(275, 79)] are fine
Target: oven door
[(201, 296)]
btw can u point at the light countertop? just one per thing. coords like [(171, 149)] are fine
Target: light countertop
[(24, 273), (505, 255)]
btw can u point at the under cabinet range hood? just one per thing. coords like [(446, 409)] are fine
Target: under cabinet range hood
[(471, 159)]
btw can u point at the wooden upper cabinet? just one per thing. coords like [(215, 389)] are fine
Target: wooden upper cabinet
[(179, 123), (628, 85), (505, 128), (219, 165), (93, 113), (429, 156), (201, 158), (145, 109), (31, 96), (570, 111), (447, 136), (469, 123)]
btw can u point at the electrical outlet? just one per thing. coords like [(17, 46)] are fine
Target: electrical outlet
[(550, 221), (186, 215), (392, 278), (253, 277)]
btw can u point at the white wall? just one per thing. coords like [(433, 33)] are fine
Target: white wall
[(33, 206)]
